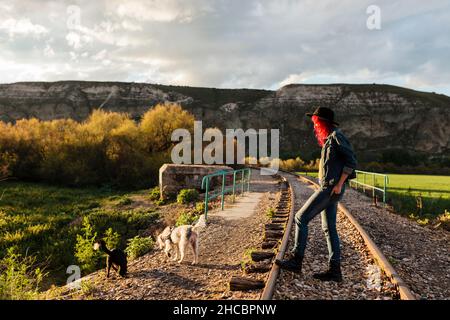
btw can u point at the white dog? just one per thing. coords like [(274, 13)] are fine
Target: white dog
[(178, 238)]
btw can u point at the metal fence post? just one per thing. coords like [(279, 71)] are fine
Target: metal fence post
[(384, 189), (373, 189), (223, 188), (364, 181), (206, 195), (248, 182), (234, 184), (357, 180)]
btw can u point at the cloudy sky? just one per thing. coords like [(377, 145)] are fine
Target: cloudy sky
[(228, 43)]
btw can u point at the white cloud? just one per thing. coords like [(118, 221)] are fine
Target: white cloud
[(161, 11), (131, 26), (233, 43), (101, 55), (48, 51), (143, 12), (73, 56), (77, 40), (105, 33), (73, 40), (25, 27), (13, 71)]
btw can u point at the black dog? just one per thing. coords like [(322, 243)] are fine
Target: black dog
[(117, 259)]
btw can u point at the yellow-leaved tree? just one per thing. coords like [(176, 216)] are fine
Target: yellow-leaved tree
[(107, 148), (158, 124)]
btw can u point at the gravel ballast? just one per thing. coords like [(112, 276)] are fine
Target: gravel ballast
[(419, 254)]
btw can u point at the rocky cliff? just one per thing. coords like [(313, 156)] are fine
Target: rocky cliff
[(374, 117)]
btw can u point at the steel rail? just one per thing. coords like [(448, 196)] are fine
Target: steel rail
[(269, 288)]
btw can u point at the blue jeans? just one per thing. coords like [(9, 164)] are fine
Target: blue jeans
[(319, 202)]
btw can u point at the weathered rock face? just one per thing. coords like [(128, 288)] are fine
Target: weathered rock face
[(374, 117), (76, 100)]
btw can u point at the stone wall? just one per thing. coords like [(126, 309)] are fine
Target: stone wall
[(174, 177)]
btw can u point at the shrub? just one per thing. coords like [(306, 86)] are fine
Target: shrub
[(444, 220), (200, 208), (7, 161), (270, 213), (19, 277), (90, 259), (160, 202), (373, 167), (401, 157), (125, 201), (107, 148), (139, 246), (247, 258), (186, 196), (423, 222), (111, 238), (313, 165), (127, 223), (87, 257), (296, 164), (186, 218), (155, 194), (87, 288)]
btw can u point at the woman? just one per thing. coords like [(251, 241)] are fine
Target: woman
[(337, 165)]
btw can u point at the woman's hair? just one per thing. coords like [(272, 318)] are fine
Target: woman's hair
[(322, 129)]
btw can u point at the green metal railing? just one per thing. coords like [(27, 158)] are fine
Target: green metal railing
[(241, 182), (363, 178)]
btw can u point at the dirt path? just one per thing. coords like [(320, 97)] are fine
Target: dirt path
[(359, 270), (222, 246)]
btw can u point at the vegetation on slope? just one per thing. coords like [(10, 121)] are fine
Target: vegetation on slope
[(107, 149)]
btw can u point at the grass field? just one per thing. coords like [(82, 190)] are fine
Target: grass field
[(309, 174), (43, 220), (424, 185), (403, 190)]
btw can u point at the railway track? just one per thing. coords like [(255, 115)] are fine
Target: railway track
[(367, 272)]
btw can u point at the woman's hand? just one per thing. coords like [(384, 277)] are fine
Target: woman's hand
[(336, 189)]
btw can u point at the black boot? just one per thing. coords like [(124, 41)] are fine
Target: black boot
[(333, 274), (294, 263)]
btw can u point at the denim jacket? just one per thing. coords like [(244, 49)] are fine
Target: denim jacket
[(337, 156)]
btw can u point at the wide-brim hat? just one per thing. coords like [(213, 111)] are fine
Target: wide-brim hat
[(324, 113)]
